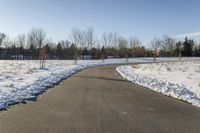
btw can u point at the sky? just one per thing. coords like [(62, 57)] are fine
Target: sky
[(144, 19)]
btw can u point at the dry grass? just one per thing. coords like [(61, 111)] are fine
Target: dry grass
[(135, 66)]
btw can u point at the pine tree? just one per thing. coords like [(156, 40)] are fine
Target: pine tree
[(59, 51), (187, 47)]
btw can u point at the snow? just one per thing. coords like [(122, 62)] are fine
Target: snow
[(180, 80), (23, 80)]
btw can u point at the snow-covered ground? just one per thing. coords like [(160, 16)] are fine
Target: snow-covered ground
[(22, 80), (180, 80)]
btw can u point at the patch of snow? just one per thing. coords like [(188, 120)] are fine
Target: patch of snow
[(176, 79)]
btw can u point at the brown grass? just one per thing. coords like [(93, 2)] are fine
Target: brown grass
[(135, 66)]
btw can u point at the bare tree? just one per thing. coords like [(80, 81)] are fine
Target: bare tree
[(21, 44), (83, 38), (90, 38), (43, 57), (2, 37), (75, 36), (156, 44), (115, 37), (50, 43), (7, 42), (122, 43), (123, 47), (114, 44), (168, 45), (134, 44), (106, 39), (21, 40), (77, 39), (36, 37), (178, 49)]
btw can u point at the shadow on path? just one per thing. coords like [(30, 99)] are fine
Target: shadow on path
[(102, 78)]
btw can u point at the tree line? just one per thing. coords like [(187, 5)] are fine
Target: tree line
[(85, 44), (169, 47)]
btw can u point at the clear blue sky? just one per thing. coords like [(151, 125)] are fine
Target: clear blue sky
[(145, 19)]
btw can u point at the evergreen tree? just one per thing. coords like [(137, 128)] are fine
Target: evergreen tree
[(103, 53), (85, 52), (59, 51), (74, 51), (33, 51), (48, 50), (187, 47)]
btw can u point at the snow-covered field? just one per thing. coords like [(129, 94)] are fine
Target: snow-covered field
[(180, 80), (22, 80)]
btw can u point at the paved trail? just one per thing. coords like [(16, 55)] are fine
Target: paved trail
[(98, 100)]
